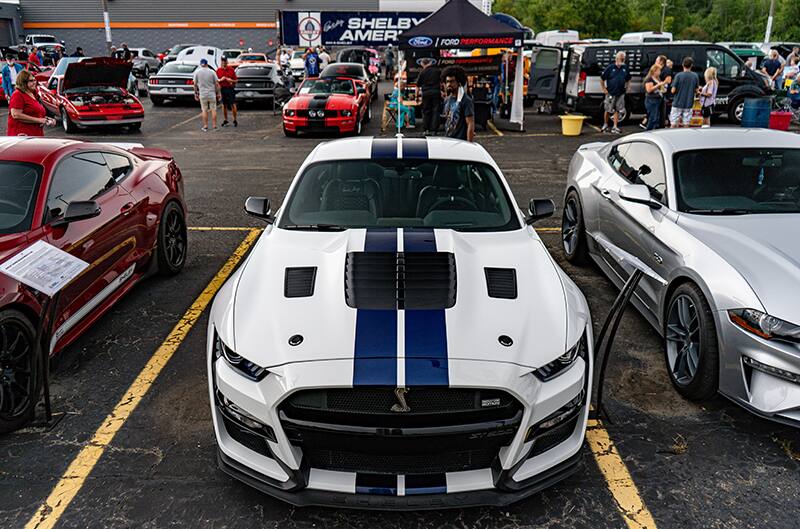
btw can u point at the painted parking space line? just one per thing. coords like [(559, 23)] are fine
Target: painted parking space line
[(494, 129), (619, 481), (82, 465)]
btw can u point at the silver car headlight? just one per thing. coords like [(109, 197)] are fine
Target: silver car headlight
[(764, 325), (245, 367), (562, 363)]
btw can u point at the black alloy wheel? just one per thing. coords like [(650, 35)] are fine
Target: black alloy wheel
[(19, 370), (573, 233), (172, 240)]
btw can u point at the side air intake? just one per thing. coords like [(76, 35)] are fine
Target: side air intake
[(501, 282), (299, 282)]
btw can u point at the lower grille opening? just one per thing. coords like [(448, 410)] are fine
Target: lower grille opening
[(434, 463), (245, 437), (554, 437)]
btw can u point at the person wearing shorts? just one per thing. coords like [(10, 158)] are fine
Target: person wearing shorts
[(684, 87), (206, 91), (227, 87), (614, 82)]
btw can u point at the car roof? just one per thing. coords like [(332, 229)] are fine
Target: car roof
[(361, 149), (676, 140), (31, 149)]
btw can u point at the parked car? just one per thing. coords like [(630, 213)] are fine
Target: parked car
[(639, 37), (339, 105), (369, 57), (713, 213), (231, 54), (355, 71), (297, 64), (585, 64), (92, 91), (453, 387), (119, 209), (557, 37), (197, 53), (42, 39), (252, 58), (172, 53), (145, 62), (256, 82), (173, 82)]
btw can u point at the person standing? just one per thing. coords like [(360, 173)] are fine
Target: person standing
[(388, 62), (324, 58), (34, 56), (227, 87), (26, 115), (772, 67), (795, 53), (430, 82), (459, 107), (207, 92), (9, 73), (284, 58), (708, 95), (653, 97), (614, 82), (684, 86), (78, 52), (311, 61), (125, 53)]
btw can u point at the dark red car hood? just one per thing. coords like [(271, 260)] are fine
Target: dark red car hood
[(97, 71)]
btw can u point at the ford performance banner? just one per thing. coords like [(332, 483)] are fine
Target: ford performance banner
[(345, 28)]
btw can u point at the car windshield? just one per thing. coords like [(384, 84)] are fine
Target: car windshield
[(402, 193), (18, 186), (298, 54), (254, 71), (63, 63), (328, 86), (231, 54), (355, 71), (42, 39), (177, 67), (250, 57), (179, 48), (738, 181)]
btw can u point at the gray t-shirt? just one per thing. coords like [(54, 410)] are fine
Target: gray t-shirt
[(205, 79), (685, 85)]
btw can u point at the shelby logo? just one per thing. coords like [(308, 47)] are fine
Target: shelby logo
[(402, 406), (420, 42)]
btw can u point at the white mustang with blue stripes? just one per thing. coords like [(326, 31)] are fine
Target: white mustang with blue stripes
[(399, 337)]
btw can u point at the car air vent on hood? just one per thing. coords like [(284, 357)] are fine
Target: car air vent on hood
[(299, 282), (382, 280), (501, 282)]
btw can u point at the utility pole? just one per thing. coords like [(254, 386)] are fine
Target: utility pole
[(769, 21), (107, 24), (664, 4)]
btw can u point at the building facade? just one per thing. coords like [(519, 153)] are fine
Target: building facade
[(159, 24)]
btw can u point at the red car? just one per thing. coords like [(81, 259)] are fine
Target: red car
[(119, 209), (327, 105), (92, 92)]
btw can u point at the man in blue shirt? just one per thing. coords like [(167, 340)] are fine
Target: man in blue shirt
[(772, 66), (614, 82), (312, 63), (10, 70)]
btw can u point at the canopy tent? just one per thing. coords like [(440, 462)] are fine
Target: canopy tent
[(460, 25)]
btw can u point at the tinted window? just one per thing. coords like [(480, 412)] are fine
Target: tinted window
[(176, 67), (327, 86), (644, 165), (119, 165), (343, 70), (82, 176), (18, 187), (726, 64), (254, 71)]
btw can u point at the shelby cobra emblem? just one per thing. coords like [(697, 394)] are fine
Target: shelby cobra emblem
[(402, 406)]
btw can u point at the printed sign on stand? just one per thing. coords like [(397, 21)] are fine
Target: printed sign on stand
[(43, 267)]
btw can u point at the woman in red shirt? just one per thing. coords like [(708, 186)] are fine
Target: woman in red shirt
[(26, 115)]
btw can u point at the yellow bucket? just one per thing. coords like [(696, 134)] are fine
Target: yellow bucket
[(571, 125)]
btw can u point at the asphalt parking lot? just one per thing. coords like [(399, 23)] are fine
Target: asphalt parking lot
[(680, 464)]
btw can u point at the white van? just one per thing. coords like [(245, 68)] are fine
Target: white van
[(557, 37), (640, 37), (195, 53)]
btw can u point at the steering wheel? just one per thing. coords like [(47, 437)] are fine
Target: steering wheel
[(454, 203), (13, 206)]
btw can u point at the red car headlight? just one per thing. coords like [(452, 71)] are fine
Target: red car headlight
[(347, 113), (289, 112)]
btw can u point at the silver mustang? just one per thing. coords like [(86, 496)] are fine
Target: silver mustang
[(715, 213)]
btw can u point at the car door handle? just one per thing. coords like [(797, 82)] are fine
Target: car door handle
[(127, 208)]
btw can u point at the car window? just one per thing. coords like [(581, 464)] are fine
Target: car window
[(642, 163), (53, 83), (147, 53), (725, 63), (119, 165), (177, 67), (83, 176), (19, 183), (328, 86)]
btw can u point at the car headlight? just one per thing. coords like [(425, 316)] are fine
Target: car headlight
[(237, 362), (312, 113), (346, 113), (289, 112), (764, 325), (562, 363)]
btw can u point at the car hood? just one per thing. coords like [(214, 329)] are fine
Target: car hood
[(97, 71), (764, 249), (325, 101), (262, 319)]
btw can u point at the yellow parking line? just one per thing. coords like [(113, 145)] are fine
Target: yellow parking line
[(494, 129), (75, 476), (619, 481)]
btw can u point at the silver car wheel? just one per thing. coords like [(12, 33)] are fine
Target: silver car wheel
[(569, 227), (683, 340)]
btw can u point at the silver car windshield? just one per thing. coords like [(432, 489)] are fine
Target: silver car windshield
[(465, 196), (738, 181)]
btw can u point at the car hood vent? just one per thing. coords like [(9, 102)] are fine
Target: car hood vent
[(384, 280), (501, 282), (299, 282)]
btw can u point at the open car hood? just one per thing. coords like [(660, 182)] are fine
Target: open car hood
[(97, 71)]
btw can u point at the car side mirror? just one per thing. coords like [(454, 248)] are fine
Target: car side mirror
[(78, 210), (645, 170), (260, 208), (540, 209), (638, 194), (361, 90)]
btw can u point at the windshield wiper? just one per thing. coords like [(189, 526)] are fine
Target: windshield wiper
[(318, 227), (720, 211)]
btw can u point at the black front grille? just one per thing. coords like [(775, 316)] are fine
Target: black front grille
[(243, 436), (412, 281), (444, 429)]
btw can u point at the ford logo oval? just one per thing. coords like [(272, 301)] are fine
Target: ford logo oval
[(420, 42)]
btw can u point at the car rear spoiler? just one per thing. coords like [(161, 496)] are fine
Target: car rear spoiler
[(140, 150)]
